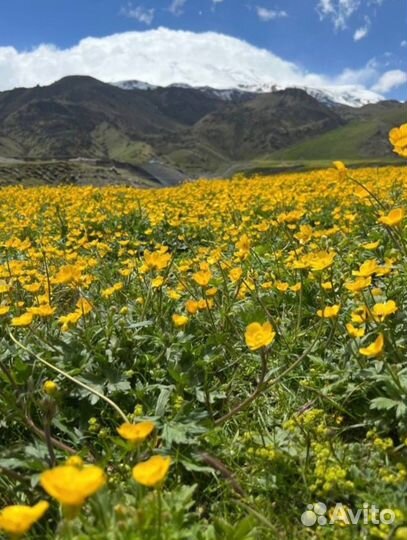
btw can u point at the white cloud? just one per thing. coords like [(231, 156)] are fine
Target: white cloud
[(266, 15), (139, 13), (389, 80), (338, 11), (177, 7), (403, 43), (217, 1), (362, 32), (162, 57)]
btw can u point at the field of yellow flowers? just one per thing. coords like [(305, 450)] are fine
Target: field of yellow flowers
[(207, 361)]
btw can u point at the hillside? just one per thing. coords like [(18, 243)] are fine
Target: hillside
[(187, 129)]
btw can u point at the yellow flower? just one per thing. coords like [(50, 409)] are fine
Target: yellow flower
[(393, 218), (398, 138), (173, 295), (4, 310), (157, 260), (84, 306), (360, 315), (211, 292), (355, 332), (202, 277), (329, 312), (371, 245), (281, 286), (375, 348), (259, 335), (72, 486), (339, 165), (69, 319), (321, 260), (152, 472), (243, 245), (157, 282), (235, 274), (106, 293), (341, 168), (23, 320), (359, 284), (192, 306), (368, 268), (295, 288), (381, 311), (68, 274), (75, 461), (50, 387), (136, 433), (18, 519), (179, 320), (42, 311)]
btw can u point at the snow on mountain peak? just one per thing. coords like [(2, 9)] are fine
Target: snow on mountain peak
[(353, 96)]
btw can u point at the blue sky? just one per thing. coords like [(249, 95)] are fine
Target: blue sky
[(326, 37)]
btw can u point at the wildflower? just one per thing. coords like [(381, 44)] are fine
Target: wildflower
[(355, 332), (393, 218), (68, 274), (321, 260), (109, 291), (368, 268), (341, 168), (42, 311), (70, 485), (281, 286), (375, 348), (360, 315), (383, 310), (329, 312), (152, 472), (359, 284), (191, 306), (4, 310), (157, 282), (327, 285), (235, 274), (371, 245), (398, 138), (136, 433), (23, 320), (75, 461), (69, 319), (259, 335), (18, 519), (202, 277), (50, 387), (173, 295), (157, 260), (243, 246), (179, 320), (84, 306)]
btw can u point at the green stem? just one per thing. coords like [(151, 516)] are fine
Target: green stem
[(72, 379)]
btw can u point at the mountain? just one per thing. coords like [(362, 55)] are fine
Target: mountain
[(349, 95), (244, 128), (195, 130)]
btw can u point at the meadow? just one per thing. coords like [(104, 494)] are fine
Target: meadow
[(206, 361)]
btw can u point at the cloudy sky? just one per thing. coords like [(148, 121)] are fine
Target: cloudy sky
[(331, 43)]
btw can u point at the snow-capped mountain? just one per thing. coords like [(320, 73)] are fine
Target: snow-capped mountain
[(352, 96)]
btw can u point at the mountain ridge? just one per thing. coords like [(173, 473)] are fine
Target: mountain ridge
[(186, 128)]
